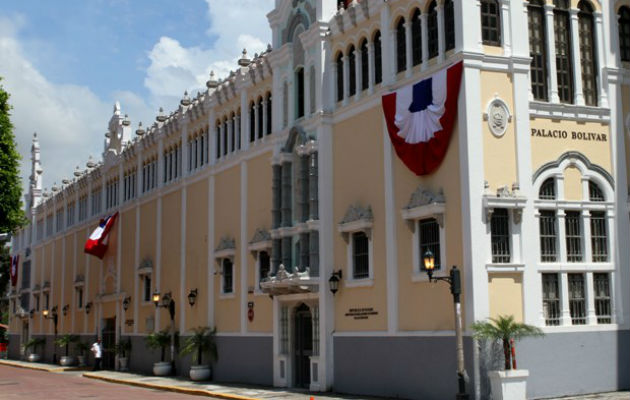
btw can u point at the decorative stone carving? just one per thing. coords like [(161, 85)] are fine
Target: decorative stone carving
[(226, 243), (498, 117), (261, 235), (289, 283), (357, 213), (422, 197), (79, 280), (424, 204), (504, 198), (146, 266)]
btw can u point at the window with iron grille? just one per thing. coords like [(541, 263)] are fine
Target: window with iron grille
[(500, 236), (537, 49), (284, 330), (269, 106), (416, 37), (36, 300), (59, 220), (225, 136), (401, 46), (352, 71), (599, 236), (551, 299), (562, 33), (70, 214), (252, 122), (378, 59), (449, 25), (360, 256), (365, 65), (548, 236), (79, 297), (49, 225), (594, 192), (228, 275), (263, 265), (40, 229), (601, 285), (429, 239), (548, 190), (146, 290), (573, 232), (577, 299), (491, 22), (339, 76), (432, 30), (46, 301), (217, 138), (587, 53), (300, 84), (624, 33), (83, 202)]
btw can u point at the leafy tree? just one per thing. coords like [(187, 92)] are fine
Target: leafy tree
[(504, 328), (11, 212), (201, 341)]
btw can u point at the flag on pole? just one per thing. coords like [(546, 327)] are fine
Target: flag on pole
[(420, 119), (14, 269), (97, 243)]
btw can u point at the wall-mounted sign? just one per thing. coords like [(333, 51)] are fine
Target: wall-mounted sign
[(250, 314), (569, 135), (129, 322), (361, 313)]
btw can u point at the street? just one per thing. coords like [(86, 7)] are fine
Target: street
[(20, 383)]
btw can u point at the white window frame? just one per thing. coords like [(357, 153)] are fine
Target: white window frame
[(514, 203), (223, 294), (256, 248), (347, 230), (413, 216)]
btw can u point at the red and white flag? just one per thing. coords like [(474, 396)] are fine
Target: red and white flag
[(420, 119), (14, 269), (97, 243)]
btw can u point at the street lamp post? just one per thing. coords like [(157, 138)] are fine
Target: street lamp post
[(455, 283), (167, 302), (54, 317)]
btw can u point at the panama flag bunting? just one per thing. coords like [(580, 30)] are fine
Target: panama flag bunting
[(14, 269), (97, 243), (420, 119)]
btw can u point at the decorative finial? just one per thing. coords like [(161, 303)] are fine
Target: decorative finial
[(268, 47), (244, 61), (90, 162), (212, 83), (65, 181), (126, 121), (161, 117), (108, 134), (77, 171), (55, 188), (140, 131), (185, 101)]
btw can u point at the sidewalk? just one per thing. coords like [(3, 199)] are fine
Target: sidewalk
[(231, 391)]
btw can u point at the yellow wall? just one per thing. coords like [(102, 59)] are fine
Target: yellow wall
[(127, 221), (505, 291), (572, 184), (171, 257)]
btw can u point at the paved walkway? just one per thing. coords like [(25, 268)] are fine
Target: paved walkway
[(230, 391)]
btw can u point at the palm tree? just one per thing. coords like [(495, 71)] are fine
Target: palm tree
[(66, 341), (504, 328), (201, 341), (159, 340)]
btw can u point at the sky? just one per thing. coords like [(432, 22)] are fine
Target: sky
[(65, 64)]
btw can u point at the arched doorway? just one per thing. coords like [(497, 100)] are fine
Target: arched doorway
[(303, 346)]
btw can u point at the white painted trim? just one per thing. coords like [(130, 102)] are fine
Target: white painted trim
[(243, 247), (182, 260), (391, 250)]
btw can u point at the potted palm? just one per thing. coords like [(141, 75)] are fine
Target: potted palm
[(33, 343), (66, 341), (160, 340), (122, 350), (202, 341), (512, 383), (82, 347)]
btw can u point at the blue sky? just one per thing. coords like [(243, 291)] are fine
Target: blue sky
[(65, 63)]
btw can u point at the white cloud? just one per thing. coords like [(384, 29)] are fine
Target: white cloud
[(234, 25)]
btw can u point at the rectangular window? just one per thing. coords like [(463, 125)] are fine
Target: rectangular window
[(601, 283), (429, 239), (551, 299), (83, 202), (264, 265), (228, 275), (500, 236), (36, 299), (564, 63), (599, 236), (577, 299), (70, 215), (146, 290), (572, 223), (360, 256), (284, 330), (59, 217), (490, 23), (587, 58), (46, 301), (548, 251), (79, 297)]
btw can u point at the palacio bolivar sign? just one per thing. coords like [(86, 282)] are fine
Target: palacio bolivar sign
[(572, 135)]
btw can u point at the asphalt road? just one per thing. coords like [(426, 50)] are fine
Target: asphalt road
[(23, 384)]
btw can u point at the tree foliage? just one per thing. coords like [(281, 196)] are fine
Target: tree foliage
[(504, 328), (201, 341), (11, 212)]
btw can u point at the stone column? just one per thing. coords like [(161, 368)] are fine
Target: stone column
[(313, 187), (441, 32)]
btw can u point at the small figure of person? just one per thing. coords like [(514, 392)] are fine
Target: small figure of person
[(97, 350)]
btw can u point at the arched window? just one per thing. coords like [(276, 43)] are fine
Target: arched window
[(218, 140), (299, 92), (401, 46), (225, 136), (252, 121), (313, 89), (232, 132), (562, 33), (259, 129), (624, 33), (365, 67), (547, 190), (587, 53), (432, 30), (537, 49), (491, 22), (269, 114), (339, 62), (352, 71), (378, 58), (238, 130), (416, 37), (449, 25), (594, 192)]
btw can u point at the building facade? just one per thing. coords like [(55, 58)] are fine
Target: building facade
[(252, 194)]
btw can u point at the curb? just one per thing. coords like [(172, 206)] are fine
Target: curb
[(38, 368), (169, 388)]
